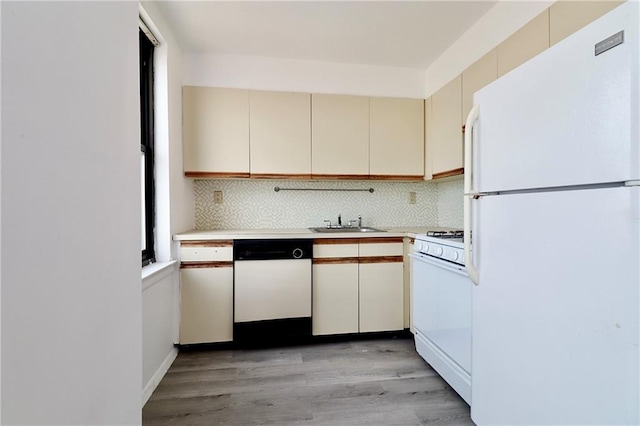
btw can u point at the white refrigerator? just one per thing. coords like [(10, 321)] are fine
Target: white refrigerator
[(552, 203)]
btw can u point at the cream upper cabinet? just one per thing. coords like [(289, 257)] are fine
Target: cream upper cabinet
[(474, 78), (215, 132), (280, 129), (339, 135), (445, 137), (428, 158), (567, 17), (396, 137), (524, 44)]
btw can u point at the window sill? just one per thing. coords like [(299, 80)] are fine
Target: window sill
[(156, 272)]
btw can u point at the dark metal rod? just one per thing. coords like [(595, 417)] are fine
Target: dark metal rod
[(278, 189)]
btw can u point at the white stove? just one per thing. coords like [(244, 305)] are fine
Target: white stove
[(441, 307), (445, 245)]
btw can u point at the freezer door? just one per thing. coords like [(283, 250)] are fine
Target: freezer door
[(555, 315), (567, 117)]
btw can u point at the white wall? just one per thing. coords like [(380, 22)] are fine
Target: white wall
[(252, 72), (502, 20), (71, 301), (175, 208)]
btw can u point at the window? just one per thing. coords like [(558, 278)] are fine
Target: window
[(146, 149)]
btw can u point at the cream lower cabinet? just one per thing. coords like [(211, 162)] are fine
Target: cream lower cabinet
[(381, 296), (335, 298), (381, 284), (206, 304), (206, 291), (335, 286)]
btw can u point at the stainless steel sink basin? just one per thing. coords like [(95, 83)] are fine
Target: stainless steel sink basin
[(345, 229)]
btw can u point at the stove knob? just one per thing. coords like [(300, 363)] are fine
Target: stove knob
[(426, 248), (454, 255), (439, 251), (418, 246)]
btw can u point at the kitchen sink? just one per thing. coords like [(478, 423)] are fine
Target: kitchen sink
[(345, 229)]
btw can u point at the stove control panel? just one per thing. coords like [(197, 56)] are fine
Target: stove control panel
[(449, 250)]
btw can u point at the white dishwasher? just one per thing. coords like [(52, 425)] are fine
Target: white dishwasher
[(272, 291)]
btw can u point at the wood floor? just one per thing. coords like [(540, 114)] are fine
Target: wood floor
[(364, 382)]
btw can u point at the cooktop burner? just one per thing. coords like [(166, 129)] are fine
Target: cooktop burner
[(446, 234)]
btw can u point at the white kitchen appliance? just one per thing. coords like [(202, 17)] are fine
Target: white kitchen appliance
[(441, 307), (552, 175)]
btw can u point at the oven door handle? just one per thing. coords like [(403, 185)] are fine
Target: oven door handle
[(472, 119), (443, 264)]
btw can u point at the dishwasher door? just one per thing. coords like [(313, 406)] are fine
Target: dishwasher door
[(272, 289)]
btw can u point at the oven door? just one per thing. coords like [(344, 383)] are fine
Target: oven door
[(442, 307)]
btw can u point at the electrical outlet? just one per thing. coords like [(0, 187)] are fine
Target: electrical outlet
[(412, 197), (217, 197)]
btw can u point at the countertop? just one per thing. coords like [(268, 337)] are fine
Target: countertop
[(245, 234)]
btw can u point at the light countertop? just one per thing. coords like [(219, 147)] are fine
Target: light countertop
[(245, 234)]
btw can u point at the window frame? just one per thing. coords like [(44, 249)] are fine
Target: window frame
[(146, 48)]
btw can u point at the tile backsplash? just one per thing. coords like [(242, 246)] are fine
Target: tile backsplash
[(248, 204)]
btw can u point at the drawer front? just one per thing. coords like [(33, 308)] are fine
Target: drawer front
[(381, 249), (206, 251), (334, 250)]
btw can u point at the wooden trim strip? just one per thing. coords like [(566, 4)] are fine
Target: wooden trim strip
[(193, 265), (218, 243), (381, 240), (396, 177), (335, 260), (216, 175), (381, 259), (278, 176), (340, 177), (449, 173), (328, 241)]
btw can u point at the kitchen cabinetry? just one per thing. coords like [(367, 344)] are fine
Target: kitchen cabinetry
[(206, 292), (381, 284), (215, 132), (340, 135), (445, 137), (524, 44), (358, 285), (280, 128), (335, 286), (396, 138), (567, 17), (474, 78)]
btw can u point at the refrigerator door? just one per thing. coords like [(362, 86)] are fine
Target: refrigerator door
[(567, 117), (556, 312)]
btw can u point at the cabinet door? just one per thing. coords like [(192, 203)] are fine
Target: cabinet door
[(335, 298), (215, 132), (280, 126), (446, 132), (381, 296), (206, 307), (524, 44), (396, 137), (340, 135), (428, 140), (567, 17), (474, 78)]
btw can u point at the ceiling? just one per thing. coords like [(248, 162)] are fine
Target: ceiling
[(395, 33)]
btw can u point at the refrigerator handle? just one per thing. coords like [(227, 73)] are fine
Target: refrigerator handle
[(472, 118)]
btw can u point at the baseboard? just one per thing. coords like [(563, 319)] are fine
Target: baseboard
[(158, 375)]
